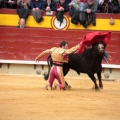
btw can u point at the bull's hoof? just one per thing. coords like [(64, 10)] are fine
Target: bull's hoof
[(68, 87), (100, 86), (96, 89)]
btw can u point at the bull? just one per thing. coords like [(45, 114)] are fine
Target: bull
[(89, 62)]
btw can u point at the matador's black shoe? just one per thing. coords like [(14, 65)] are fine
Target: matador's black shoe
[(46, 75)]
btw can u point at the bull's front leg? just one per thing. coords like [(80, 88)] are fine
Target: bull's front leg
[(99, 77), (67, 86), (65, 71), (94, 80), (100, 80)]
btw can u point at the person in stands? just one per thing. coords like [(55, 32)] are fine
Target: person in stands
[(36, 6), (23, 8), (60, 8), (48, 5), (75, 7), (90, 8), (115, 6), (2, 3), (21, 23), (11, 4)]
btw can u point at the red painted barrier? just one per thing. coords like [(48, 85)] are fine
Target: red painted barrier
[(26, 44)]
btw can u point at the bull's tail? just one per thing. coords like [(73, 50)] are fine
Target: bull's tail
[(46, 75)]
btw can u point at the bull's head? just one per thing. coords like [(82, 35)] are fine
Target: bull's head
[(101, 47)]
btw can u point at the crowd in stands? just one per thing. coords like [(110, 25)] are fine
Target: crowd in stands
[(81, 11)]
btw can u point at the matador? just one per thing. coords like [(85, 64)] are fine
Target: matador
[(59, 56)]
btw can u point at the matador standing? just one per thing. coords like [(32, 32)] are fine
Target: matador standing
[(59, 56)]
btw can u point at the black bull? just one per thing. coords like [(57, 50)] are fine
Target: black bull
[(88, 62)]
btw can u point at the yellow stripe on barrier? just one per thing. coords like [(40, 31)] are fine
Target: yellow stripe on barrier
[(49, 22), (101, 24), (9, 20), (46, 23), (12, 20)]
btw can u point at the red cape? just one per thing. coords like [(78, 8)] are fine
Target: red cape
[(93, 37)]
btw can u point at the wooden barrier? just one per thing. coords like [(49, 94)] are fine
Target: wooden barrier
[(23, 45), (9, 17)]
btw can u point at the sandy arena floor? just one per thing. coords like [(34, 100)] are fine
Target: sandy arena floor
[(25, 98)]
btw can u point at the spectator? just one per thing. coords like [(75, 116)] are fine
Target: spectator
[(84, 1), (23, 8), (48, 5), (76, 6), (90, 8), (1, 3), (36, 6), (21, 23), (115, 6), (105, 6), (119, 5), (55, 1), (61, 7), (68, 1), (97, 1), (11, 4)]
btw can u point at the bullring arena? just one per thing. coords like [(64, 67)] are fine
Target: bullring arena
[(24, 97), (22, 88)]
